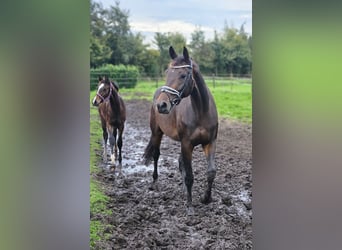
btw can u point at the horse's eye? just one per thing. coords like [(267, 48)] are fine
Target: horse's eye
[(183, 76)]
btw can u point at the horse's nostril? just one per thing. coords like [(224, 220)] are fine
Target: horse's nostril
[(162, 107), (95, 103)]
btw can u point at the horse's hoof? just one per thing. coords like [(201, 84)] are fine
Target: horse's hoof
[(206, 200), (154, 186), (190, 211)]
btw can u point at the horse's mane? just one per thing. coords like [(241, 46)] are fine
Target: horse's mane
[(115, 96), (202, 88)]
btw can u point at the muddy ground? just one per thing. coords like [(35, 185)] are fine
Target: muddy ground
[(156, 219)]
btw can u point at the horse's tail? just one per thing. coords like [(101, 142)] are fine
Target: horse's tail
[(149, 153)]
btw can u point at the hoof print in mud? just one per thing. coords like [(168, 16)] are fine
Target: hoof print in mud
[(227, 200), (248, 205)]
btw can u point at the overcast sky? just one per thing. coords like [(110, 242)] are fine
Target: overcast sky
[(150, 16)]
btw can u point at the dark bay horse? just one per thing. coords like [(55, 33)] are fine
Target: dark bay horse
[(112, 112), (184, 110)]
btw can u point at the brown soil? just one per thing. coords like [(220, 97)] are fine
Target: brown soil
[(156, 219)]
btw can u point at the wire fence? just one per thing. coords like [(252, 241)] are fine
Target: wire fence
[(157, 81)]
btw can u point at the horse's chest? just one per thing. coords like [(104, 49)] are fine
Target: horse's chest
[(170, 131), (199, 135)]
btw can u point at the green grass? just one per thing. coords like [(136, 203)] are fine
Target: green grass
[(98, 200), (234, 101), (143, 90), (233, 97)]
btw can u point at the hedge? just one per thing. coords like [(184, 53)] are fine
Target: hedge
[(125, 76)]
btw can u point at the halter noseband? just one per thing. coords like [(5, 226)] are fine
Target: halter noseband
[(110, 93), (172, 91)]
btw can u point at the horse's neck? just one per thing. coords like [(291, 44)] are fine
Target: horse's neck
[(200, 94), (114, 103)]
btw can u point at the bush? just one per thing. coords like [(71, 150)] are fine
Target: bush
[(125, 76)]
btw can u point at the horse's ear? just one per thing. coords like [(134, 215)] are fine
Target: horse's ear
[(106, 79), (186, 54), (172, 53), (100, 78)]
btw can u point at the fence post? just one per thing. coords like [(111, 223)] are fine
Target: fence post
[(157, 82)]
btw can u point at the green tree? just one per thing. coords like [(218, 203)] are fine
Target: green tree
[(118, 32), (112, 42), (99, 51), (148, 62), (202, 51), (177, 40), (218, 60), (163, 43), (236, 51)]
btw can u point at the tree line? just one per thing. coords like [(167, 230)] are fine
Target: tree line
[(113, 42)]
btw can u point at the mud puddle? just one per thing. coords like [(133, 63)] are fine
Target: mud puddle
[(132, 152)]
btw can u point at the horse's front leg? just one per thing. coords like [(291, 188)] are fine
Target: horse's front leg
[(152, 151), (156, 140), (182, 171), (185, 165), (209, 151), (105, 138)]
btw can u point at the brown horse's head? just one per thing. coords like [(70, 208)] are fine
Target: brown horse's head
[(104, 91), (179, 82)]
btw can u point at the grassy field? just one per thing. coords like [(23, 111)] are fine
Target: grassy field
[(233, 99), (98, 199)]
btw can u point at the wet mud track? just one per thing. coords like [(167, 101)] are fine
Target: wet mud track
[(144, 218)]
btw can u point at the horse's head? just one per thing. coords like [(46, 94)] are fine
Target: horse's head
[(104, 91), (179, 81)]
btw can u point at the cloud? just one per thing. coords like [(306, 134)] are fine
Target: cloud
[(165, 26), (247, 16), (148, 17), (149, 27), (228, 5)]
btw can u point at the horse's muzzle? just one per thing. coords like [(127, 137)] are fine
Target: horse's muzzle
[(95, 103), (163, 107)]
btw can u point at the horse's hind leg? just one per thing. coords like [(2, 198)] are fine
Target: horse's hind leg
[(185, 165), (209, 151), (119, 144), (112, 142), (115, 143), (105, 138), (182, 171)]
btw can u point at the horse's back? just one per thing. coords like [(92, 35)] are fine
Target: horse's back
[(122, 109)]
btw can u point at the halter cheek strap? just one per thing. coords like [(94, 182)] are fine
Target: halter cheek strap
[(110, 93)]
